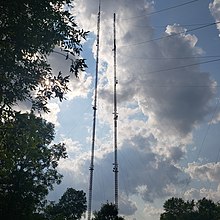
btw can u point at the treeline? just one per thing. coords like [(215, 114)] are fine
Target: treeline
[(178, 209)]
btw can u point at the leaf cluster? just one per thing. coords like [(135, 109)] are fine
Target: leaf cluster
[(108, 211), (178, 209), (71, 206), (28, 164), (29, 32)]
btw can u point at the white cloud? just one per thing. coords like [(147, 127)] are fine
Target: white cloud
[(52, 116), (195, 193), (170, 99), (78, 87), (127, 206), (168, 102), (151, 211), (215, 10), (216, 118), (207, 172), (158, 110)]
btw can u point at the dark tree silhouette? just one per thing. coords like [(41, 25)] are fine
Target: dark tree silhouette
[(71, 206), (108, 211), (28, 165), (30, 30), (207, 209), (178, 209)]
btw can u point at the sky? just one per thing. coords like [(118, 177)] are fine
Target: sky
[(168, 63)]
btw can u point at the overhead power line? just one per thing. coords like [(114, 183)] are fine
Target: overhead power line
[(172, 85), (207, 131), (172, 35), (170, 58), (161, 10), (184, 66), (164, 26)]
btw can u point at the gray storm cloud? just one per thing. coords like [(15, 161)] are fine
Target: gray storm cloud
[(160, 79), (175, 99), (136, 169)]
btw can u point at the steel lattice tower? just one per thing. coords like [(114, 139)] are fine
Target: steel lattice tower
[(91, 168), (115, 164)]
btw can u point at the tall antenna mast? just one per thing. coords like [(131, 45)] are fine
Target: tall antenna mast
[(91, 168), (115, 164)]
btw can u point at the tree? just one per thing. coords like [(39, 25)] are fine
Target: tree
[(108, 211), (178, 209), (29, 32), (28, 165), (207, 209), (71, 206)]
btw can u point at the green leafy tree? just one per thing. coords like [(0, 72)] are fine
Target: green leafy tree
[(29, 32), (108, 211), (28, 165), (178, 209), (71, 206), (207, 209)]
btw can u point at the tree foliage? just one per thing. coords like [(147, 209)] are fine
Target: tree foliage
[(108, 211), (28, 165), (29, 32), (71, 206), (178, 209)]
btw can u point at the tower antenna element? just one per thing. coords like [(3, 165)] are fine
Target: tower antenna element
[(115, 113), (91, 168)]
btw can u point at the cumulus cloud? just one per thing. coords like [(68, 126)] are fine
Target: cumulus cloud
[(141, 173), (216, 119), (52, 116), (162, 97), (195, 193), (207, 172), (175, 105), (215, 10), (74, 169), (127, 206), (169, 96), (78, 87), (151, 211)]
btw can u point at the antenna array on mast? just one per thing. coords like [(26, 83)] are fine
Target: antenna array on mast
[(115, 164), (91, 168)]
